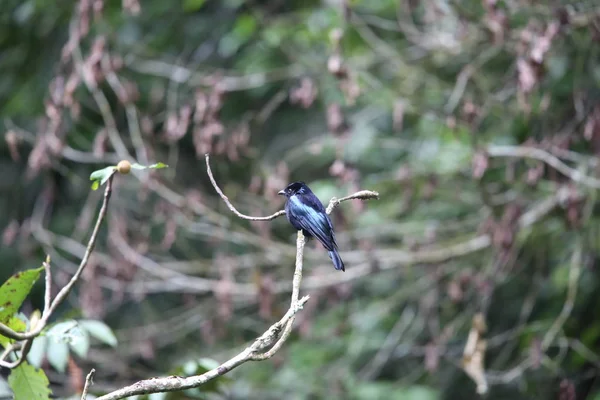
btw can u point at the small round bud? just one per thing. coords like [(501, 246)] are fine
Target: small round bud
[(124, 167)]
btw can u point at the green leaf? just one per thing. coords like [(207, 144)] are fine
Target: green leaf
[(29, 383), (138, 166), (207, 364), (100, 331), (63, 331), (71, 333), (58, 355), (15, 323), (80, 343), (60, 336), (101, 175), (192, 5), (37, 351), (158, 165), (14, 291)]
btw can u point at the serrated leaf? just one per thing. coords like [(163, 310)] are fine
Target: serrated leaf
[(100, 331), (29, 383), (14, 291), (38, 351)]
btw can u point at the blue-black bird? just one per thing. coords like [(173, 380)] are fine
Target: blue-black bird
[(305, 212)]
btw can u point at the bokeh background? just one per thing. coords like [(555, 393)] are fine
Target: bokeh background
[(478, 121)]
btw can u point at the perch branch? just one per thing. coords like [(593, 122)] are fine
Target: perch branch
[(362, 195), (272, 339), (300, 242), (228, 203), (250, 353)]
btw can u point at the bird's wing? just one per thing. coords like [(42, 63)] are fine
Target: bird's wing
[(314, 220)]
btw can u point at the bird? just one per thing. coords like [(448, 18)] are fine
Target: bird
[(306, 213)]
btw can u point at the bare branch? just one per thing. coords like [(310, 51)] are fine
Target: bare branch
[(181, 74), (175, 383), (361, 195), (24, 347), (48, 293), (230, 206), (64, 292), (272, 339), (295, 293), (334, 202), (541, 155), (88, 383)]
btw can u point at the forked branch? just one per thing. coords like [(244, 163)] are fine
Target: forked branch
[(263, 347)]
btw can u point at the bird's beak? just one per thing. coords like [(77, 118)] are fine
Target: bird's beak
[(281, 193)]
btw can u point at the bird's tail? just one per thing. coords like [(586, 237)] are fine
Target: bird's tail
[(337, 260)]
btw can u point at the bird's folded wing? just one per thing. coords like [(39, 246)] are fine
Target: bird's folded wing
[(315, 222)]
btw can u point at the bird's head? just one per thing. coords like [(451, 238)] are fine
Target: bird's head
[(293, 188)]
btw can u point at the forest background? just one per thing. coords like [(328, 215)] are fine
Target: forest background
[(477, 121)]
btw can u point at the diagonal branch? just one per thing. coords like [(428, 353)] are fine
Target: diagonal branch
[(230, 206), (541, 155), (64, 292), (250, 353)]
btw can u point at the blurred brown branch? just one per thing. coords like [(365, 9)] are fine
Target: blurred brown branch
[(541, 155)]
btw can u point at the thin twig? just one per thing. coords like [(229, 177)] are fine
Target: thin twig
[(228, 203), (25, 347), (574, 273), (273, 338), (48, 292), (541, 155), (88, 383), (361, 195), (64, 292)]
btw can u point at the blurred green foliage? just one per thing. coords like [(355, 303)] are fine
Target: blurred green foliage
[(406, 98)]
